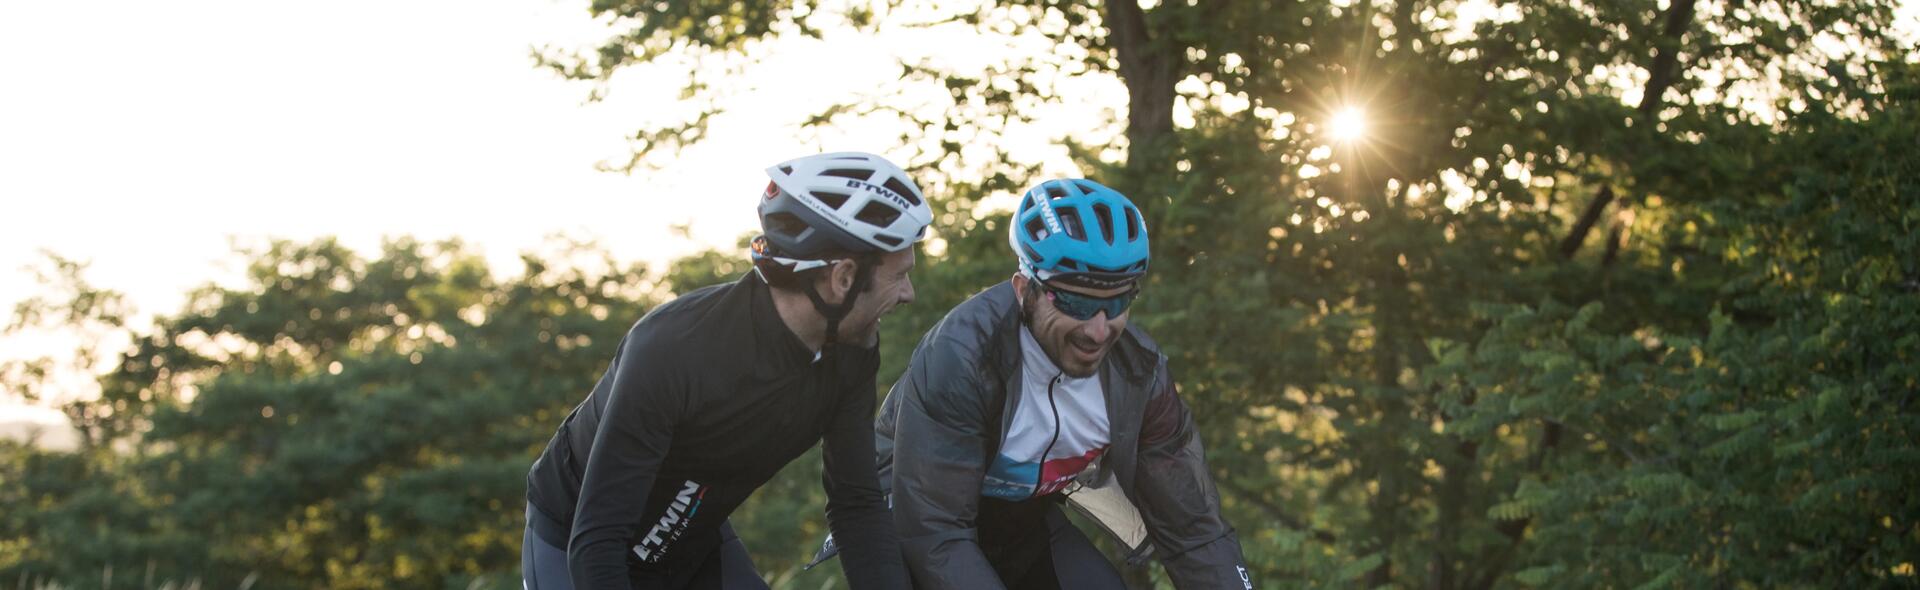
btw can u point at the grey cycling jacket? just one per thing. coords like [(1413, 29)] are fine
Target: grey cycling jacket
[(942, 422)]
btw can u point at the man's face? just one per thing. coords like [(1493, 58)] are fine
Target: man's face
[(1076, 346), (891, 286)]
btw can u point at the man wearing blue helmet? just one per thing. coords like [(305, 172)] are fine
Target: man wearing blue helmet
[(1037, 392)]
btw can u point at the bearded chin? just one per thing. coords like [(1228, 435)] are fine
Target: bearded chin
[(1079, 373)]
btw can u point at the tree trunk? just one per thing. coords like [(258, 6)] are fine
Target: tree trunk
[(1451, 502), (1150, 66)]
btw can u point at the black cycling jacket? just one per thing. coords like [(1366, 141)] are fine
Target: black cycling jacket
[(707, 398)]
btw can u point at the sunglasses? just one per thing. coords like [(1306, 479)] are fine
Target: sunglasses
[(1083, 307)]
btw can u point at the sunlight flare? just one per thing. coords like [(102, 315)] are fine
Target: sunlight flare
[(1349, 124)]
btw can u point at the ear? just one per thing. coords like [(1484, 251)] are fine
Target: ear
[(1019, 287), (840, 277)]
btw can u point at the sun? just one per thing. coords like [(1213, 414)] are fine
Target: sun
[(1348, 125)]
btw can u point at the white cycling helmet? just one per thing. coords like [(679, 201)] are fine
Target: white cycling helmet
[(847, 201)]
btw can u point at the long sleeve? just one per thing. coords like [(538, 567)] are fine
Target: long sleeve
[(856, 508), (635, 430), (1177, 499), (942, 432)]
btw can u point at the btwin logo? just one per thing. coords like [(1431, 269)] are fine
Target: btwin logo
[(672, 524), (884, 191), (1052, 219)]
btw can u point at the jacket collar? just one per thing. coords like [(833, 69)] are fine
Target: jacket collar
[(779, 350)]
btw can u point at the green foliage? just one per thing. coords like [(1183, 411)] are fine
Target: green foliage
[(338, 422), (1611, 294)]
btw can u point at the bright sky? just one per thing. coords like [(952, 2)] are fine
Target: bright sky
[(142, 135), (146, 136)]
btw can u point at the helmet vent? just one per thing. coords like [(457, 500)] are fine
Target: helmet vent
[(786, 170), (853, 173), (900, 188), (1133, 224), (877, 214), (1070, 224), (1036, 230), (785, 224), (832, 199), (888, 240), (1103, 215), (1054, 192)]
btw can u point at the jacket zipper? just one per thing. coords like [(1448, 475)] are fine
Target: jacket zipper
[(1040, 468)]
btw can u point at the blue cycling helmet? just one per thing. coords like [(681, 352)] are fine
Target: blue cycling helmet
[(1079, 232)]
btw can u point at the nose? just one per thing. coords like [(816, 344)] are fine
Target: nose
[(906, 292), (1097, 327)]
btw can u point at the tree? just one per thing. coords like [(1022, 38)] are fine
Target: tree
[(1362, 325), (338, 422), (1610, 293)]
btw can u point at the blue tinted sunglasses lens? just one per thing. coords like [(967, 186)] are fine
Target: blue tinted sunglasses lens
[(1084, 307)]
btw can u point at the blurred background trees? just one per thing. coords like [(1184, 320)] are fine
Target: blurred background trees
[(1464, 295)]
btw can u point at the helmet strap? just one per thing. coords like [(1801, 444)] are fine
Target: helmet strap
[(862, 274)]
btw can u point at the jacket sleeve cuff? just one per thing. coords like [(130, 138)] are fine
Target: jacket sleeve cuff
[(1215, 565)]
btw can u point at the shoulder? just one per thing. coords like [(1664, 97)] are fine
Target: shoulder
[(968, 336), (951, 375), (690, 327), (1137, 354)]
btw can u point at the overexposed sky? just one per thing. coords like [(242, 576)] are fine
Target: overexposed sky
[(145, 137)]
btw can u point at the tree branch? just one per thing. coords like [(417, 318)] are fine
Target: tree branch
[(1578, 236), (1666, 54), (1616, 237), (1660, 77)]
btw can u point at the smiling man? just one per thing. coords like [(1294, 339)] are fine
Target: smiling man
[(1038, 391), (712, 393)]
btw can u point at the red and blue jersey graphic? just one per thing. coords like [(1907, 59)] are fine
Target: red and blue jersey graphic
[(1012, 479), (1058, 428)]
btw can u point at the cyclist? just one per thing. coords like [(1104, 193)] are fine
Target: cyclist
[(1036, 391), (709, 395)]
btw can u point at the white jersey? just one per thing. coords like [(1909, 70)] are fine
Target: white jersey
[(1059, 428)]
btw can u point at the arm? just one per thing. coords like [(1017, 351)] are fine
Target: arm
[(942, 432), (856, 509), (629, 445), (1178, 500)]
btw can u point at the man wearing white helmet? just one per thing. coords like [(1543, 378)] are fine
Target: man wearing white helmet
[(711, 394)]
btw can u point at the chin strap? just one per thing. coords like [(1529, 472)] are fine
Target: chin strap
[(834, 313)]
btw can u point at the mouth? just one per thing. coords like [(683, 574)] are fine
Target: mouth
[(1087, 351)]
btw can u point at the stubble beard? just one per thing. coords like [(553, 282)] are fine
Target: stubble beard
[(1056, 350)]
